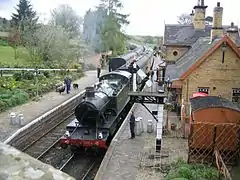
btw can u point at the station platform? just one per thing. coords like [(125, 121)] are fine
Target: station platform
[(130, 159), (136, 159)]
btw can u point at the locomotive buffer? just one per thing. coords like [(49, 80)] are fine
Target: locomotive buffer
[(150, 98)]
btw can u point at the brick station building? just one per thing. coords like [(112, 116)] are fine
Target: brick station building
[(203, 58)]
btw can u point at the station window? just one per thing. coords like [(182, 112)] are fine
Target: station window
[(203, 90), (236, 95), (175, 53)]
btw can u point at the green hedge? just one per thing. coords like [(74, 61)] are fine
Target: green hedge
[(21, 87), (11, 98)]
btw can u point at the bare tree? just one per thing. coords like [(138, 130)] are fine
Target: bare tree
[(184, 19), (14, 41)]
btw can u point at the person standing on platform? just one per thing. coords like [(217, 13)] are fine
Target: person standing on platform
[(157, 74), (68, 81), (99, 66), (132, 125)]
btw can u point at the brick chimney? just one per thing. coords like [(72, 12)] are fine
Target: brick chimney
[(217, 29), (199, 16), (232, 32)]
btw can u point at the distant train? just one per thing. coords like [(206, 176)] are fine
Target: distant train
[(102, 110)]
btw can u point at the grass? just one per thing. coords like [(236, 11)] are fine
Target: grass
[(7, 55)]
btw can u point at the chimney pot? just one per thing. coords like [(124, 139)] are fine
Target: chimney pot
[(218, 4), (232, 24)]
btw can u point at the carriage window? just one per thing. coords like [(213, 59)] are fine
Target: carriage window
[(236, 95), (203, 90)]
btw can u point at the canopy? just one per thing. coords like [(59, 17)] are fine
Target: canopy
[(199, 94)]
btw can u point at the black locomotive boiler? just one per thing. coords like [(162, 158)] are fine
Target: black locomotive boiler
[(102, 110)]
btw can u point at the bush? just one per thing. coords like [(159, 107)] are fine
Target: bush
[(182, 170), (3, 42), (75, 66), (12, 98), (17, 76), (28, 75), (46, 74), (21, 87)]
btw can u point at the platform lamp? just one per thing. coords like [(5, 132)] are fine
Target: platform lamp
[(223, 48), (169, 85)]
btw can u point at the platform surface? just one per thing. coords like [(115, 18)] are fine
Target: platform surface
[(135, 159)]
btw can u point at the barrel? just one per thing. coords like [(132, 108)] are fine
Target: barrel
[(13, 118), (138, 127), (150, 126), (141, 123)]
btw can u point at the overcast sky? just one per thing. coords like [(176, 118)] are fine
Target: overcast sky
[(146, 16)]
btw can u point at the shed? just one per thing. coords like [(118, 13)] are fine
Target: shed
[(214, 125), (214, 109)]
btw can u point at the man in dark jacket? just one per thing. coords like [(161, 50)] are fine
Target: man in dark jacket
[(132, 125), (68, 81)]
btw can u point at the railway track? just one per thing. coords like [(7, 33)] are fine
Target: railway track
[(42, 142), (29, 137), (82, 167)]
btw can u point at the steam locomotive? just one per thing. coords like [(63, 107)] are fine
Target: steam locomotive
[(100, 113)]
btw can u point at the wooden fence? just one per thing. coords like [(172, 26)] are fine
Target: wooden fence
[(205, 138)]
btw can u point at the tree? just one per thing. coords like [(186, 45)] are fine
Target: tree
[(25, 16), (111, 35), (14, 41), (112, 38), (66, 17), (93, 21), (184, 19), (50, 45)]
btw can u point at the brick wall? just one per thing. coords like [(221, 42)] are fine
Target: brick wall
[(220, 78)]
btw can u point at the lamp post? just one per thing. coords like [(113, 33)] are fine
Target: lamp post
[(168, 85), (168, 105), (223, 48), (36, 73)]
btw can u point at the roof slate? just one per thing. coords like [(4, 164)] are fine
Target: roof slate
[(202, 45), (178, 34), (211, 102)]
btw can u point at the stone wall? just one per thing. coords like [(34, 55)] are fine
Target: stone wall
[(17, 165), (219, 77)]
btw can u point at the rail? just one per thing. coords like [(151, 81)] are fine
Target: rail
[(88, 171), (64, 165)]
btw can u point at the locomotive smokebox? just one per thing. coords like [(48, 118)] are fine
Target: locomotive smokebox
[(90, 91)]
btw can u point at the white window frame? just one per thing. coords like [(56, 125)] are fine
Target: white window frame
[(235, 94), (204, 90)]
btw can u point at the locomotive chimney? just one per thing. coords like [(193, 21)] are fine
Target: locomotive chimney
[(90, 91)]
